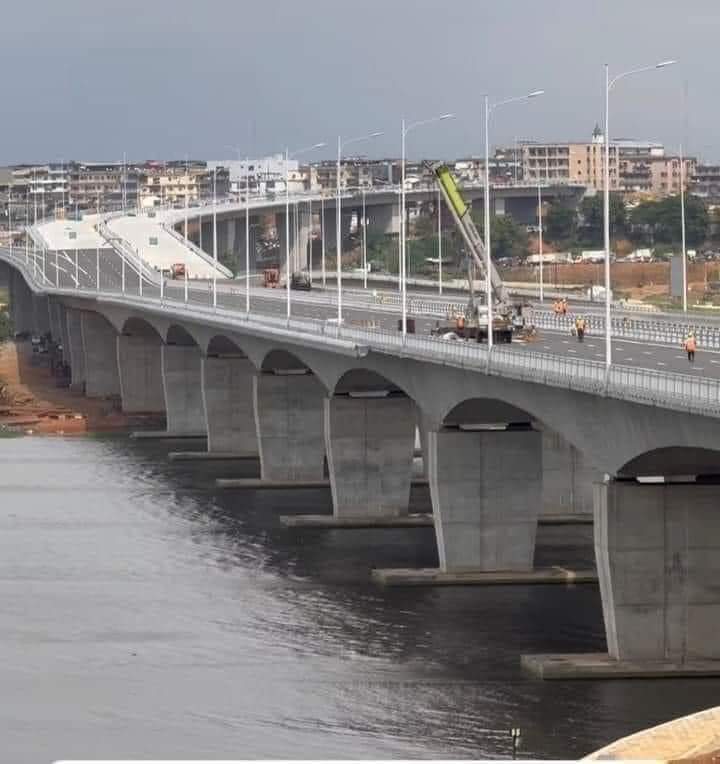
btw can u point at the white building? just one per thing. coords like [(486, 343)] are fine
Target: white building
[(266, 174)]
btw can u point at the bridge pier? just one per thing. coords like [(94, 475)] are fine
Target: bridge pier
[(298, 244), (76, 354), (55, 319), (658, 557), (383, 218), (41, 313), (289, 419), (21, 305), (567, 490), (370, 443), (182, 387), (227, 394), (484, 487), (102, 379), (140, 373)]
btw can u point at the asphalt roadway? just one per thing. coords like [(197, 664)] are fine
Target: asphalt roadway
[(658, 357)]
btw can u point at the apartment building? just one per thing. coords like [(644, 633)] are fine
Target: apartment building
[(112, 185), (172, 182), (705, 181)]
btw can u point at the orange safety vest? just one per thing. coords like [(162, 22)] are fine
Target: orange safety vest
[(690, 344)]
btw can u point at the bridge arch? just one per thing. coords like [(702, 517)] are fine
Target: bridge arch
[(178, 334), (134, 326), (223, 345), (673, 461)]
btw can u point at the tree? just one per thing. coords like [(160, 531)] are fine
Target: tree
[(560, 222), (592, 212), (661, 221), (507, 238)]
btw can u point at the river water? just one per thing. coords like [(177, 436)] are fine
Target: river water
[(145, 614)]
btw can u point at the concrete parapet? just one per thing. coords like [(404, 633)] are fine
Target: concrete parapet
[(76, 355), (140, 369), (369, 443), (484, 487), (289, 420), (102, 379), (227, 394), (182, 385)]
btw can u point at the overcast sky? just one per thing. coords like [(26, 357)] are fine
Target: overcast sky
[(91, 79)]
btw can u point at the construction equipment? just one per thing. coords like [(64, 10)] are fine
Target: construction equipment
[(271, 277), (472, 325), (177, 271)]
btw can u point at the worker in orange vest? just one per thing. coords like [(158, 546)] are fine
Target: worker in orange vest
[(690, 344)]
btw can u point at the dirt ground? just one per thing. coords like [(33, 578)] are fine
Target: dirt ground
[(31, 401)]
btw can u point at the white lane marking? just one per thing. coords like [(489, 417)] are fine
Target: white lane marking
[(660, 363), (566, 342), (591, 346), (647, 352), (572, 351), (546, 347), (679, 356), (698, 368), (599, 355), (713, 361), (628, 359)]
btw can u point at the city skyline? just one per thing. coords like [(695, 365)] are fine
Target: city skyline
[(192, 82)]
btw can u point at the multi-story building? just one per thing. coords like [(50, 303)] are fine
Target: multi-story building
[(635, 167), (174, 182), (263, 175), (112, 185), (354, 173), (705, 181)]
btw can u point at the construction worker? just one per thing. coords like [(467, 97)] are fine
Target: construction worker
[(563, 306), (580, 326), (690, 344), (556, 307)]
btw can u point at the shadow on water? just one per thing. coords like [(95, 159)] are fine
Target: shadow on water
[(455, 686)]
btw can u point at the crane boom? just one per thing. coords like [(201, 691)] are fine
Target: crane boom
[(461, 212)]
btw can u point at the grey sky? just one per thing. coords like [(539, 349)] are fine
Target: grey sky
[(165, 78)]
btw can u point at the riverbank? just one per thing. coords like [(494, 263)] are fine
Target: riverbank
[(31, 401)]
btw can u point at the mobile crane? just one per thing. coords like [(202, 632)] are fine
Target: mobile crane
[(471, 325)]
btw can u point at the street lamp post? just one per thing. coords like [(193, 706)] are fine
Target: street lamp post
[(338, 215), (540, 243), (288, 154), (609, 84), (489, 108), (322, 239), (215, 252), (440, 256), (682, 229), (404, 130), (364, 240)]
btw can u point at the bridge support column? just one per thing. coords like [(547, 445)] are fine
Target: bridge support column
[(384, 218), (55, 319), (658, 558), (182, 385), (102, 379), (485, 487), (567, 481), (140, 371), (289, 410), (21, 304), (370, 443), (76, 353), (227, 392), (41, 314)]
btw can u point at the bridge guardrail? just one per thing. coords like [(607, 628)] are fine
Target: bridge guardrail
[(666, 389)]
